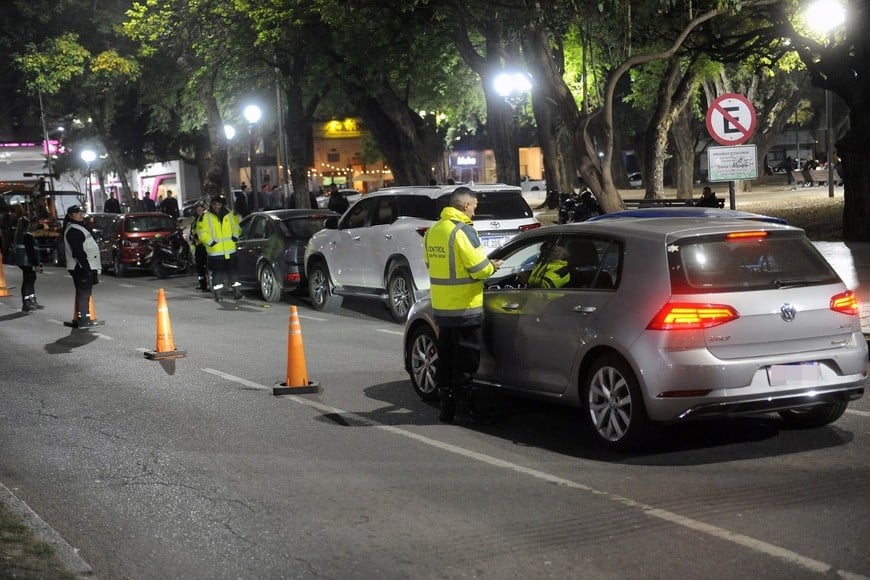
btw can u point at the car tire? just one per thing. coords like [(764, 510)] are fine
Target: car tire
[(320, 289), (613, 405), (269, 287), (422, 356), (119, 268), (400, 293), (815, 416)]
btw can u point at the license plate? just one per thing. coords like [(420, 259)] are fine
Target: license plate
[(493, 242), (794, 375)]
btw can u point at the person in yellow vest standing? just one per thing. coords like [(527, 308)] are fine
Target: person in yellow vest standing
[(457, 265), (219, 230)]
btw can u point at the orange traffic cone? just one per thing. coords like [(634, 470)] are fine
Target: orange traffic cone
[(91, 312), (297, 377), (4, 291), (165, 342)]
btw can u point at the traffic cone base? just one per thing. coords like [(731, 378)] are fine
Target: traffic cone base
[(165, 343), (91, 312), (297, 376)]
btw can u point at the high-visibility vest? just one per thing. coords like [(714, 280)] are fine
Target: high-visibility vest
[(212, 228), (550, 274), (457, 267)]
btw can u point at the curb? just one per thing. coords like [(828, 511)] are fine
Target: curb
[(68, 555)]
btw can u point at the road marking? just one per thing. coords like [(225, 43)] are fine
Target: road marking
[(749, 542), (857, 412), (307, 317), (122, 285), (387, 331)]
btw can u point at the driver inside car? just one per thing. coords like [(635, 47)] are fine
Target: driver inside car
[(551, 268)]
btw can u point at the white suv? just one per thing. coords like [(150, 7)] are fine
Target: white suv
[(376, 248)]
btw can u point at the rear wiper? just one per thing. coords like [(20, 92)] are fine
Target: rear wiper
[(792, 283)]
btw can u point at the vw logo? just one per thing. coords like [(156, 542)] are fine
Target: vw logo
[(495, 225), (788, 312)]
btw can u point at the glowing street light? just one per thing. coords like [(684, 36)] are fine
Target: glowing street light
[(88, 156), (513, 87), (824, 16), (229, 133), (252, 115)]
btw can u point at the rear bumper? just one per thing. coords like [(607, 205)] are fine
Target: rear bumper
[(781, 402)]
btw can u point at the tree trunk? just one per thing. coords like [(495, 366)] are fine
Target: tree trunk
[(299, 119), (684, 154), (215, 180), (854, 150)]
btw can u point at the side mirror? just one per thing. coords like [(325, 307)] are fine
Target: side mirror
[(331, 223)]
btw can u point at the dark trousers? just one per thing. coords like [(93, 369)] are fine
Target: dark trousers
[(200, 256), (84, 286), (458, 359), (28, 282), (222, 267)]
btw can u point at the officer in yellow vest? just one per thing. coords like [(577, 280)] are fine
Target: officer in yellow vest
[(551, 270), (457, 267), (219, 230)]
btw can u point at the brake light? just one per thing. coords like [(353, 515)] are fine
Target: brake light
[(687, 316), (743, 236), (293, 277), (527, 227), (845, 303)]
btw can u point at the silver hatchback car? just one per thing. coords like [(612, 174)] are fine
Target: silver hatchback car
[(659, 320)]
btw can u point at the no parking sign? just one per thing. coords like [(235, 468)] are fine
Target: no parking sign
[(731, 119)]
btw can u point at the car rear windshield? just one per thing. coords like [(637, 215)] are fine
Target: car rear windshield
[(304, 228), (500, 205), (156, 223), (731, 263)]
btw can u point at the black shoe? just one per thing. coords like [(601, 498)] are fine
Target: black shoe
[(447, 412), (28, 306), (38, 305)]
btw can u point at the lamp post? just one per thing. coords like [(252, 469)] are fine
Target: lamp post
[(88, 156), (824, 16), (229, 132), (252, 114), (513, 88)]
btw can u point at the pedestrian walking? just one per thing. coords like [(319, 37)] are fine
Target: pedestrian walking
[(27, 258), (200, 255), (787, 165), (457, 265), (219, 231), (169, 205), (83, 263)]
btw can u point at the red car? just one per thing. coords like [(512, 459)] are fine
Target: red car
[(124, 242)]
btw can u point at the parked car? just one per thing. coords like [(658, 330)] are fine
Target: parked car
[(635, 179), (272, 246), (124, 244), (688, 212), (665, 320), (375, 249), (352, 196), (97, 223)]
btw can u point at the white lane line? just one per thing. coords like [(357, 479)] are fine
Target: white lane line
[(749, 542), (307, 317), (857, 412), (122, 285), (388, 331)]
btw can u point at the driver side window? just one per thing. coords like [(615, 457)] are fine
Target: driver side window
[(356, 216)]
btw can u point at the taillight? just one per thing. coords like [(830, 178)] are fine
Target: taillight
[(422, 231), (293, 277), (527, 227), (845, 303), (687, 316)]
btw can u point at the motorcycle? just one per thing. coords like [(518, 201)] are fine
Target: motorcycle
[(168, 255), (577, 207)]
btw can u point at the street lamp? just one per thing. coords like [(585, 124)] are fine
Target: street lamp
[(824, 16), (252, 114), (88, 156), (229, 132), (513, 87)]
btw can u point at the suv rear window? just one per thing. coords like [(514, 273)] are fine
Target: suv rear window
[(721, 264), (304, 228), (157, 223), (499, 205)]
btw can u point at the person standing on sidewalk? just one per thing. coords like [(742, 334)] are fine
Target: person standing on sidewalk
[(219, 231), (83, 262), (27, 258), (457, 265)]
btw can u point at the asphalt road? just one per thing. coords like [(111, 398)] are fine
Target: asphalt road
[(191, 468)]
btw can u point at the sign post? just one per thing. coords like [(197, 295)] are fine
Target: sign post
[(731, 121)]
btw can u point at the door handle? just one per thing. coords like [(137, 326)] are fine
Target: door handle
[(356, 238), (585, 309), (388, 236), (511, 306)]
